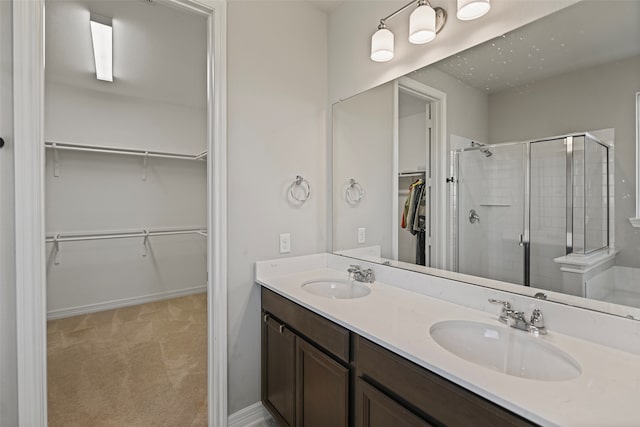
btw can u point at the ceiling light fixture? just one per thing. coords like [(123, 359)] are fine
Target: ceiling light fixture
[(102, 38), (424, 23)]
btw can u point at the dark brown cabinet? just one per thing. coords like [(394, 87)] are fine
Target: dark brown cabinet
[(305, 370), (376, 409), (316, 373), (278, 370), (322, 389)]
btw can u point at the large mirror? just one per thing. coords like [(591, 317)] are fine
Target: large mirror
[(513, 161)]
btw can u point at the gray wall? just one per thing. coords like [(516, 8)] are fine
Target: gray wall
[(595, 98), (8, 360), (363, 150), (467, 107), (277, 118)]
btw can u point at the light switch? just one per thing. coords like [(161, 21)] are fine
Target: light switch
[(285, 243), (362, 235)]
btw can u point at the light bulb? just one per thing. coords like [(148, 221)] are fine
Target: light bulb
[(382, 45), (472, 9), (422, 25)]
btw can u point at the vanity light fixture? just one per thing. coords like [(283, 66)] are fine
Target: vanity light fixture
[(102, 38), (424, 23), (472, 9)]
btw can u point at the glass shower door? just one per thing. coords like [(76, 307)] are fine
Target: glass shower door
[(490, 206), (548, 211)]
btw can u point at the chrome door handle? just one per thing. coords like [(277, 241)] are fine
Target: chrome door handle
[(473, 216)]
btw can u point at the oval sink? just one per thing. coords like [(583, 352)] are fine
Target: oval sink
[(505, 350), (336, 288)]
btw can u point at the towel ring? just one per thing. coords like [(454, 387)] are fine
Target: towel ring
[(354, 192), (300, 182)]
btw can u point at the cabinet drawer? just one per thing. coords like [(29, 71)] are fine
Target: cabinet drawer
[(437, 398), (326, 334)]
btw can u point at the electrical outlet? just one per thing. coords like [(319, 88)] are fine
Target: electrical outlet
[(362, 235), (285, 243)]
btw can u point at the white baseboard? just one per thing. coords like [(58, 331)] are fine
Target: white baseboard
[(125, 302), (249, 416)]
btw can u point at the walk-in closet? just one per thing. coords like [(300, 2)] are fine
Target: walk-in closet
[(414, 173), (126, 213)]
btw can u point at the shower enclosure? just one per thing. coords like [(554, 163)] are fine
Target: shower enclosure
[(519, 206)]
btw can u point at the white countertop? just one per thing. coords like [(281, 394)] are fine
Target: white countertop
[(607, 393)]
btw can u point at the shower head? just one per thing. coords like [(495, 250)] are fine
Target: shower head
[(482, 148)]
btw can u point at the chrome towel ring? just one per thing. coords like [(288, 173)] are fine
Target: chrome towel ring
[(354, 192), (304, 185)]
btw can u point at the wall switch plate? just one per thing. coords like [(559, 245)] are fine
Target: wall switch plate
[(362, 235), (285, 243)]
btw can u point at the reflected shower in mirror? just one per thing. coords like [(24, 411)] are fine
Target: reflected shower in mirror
[(512, 161)]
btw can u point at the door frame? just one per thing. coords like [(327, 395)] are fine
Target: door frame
[(438, 158), (29, 156)]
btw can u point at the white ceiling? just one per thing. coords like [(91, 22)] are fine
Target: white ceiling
[(580, 36), (159, 52)]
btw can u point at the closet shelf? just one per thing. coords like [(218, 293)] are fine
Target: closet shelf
[(58, 238), (411, 174), (123, 151), (77, 237)]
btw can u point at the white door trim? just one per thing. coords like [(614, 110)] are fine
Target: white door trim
[(439, 160), (28, 67), (217, 220), (28, 122)]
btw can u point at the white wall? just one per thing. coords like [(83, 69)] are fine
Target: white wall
[(412, 143), (363, 150), (277, 118), (351, 25), (8, 359), (100, 117), (595, 98), (467, 107), (98, 192), (102, 192)]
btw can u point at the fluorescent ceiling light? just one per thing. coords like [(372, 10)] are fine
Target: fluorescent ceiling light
[(102, 37)]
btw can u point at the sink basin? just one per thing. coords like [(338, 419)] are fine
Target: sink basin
[(336, 288), (505, 350)]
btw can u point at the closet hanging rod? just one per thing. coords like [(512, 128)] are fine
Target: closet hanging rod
[(123, 151), (78, 237), (409, 174)]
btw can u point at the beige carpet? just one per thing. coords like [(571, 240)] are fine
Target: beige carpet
[(144, 365)]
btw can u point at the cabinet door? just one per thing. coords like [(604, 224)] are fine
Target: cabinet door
[(376, 409), (322, 389), (278, 370)]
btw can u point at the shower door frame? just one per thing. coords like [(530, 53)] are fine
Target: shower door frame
[(525, 239)]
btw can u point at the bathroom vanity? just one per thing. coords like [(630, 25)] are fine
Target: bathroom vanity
[(380, 359), (310, 365)]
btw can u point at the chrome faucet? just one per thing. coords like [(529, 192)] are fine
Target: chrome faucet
[(361, 275), (516, 319)]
